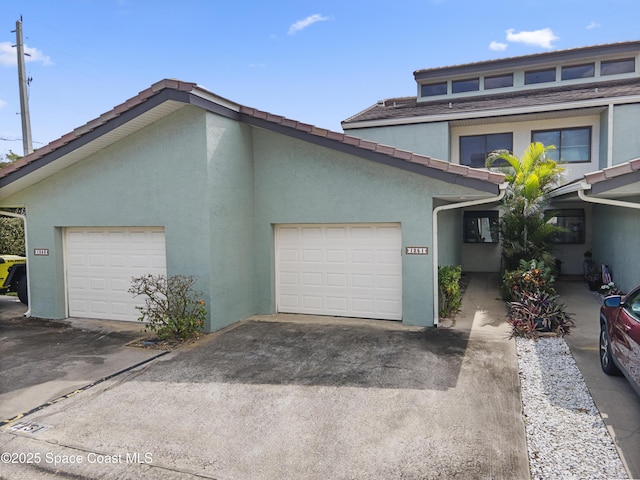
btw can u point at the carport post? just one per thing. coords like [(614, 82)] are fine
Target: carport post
[(26, 248), (451, 206)]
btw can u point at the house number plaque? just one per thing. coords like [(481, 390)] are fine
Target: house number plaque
[(417, 250), (42, 252)]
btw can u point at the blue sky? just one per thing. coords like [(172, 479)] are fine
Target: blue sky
[(314, 61)]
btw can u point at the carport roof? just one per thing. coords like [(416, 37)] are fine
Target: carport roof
[(619, 181), (166, 96)]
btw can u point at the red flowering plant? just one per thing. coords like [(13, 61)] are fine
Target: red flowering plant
[(530, 277)]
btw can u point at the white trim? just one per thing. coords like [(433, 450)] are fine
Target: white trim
[(604, 201)]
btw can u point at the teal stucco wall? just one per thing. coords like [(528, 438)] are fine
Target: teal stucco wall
[(231, 202), (430, 139), (615, 235)]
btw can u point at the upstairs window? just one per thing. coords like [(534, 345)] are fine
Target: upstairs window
[(573, 145), (540, 76), (469, 85), (614, 67), (578, 71), (474, 149), (498, 81), (433, 89)]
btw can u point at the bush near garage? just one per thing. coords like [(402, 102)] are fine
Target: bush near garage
[(450, 294), (172, 308)]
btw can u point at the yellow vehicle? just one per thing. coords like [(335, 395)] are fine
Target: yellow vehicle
[(13, 276)]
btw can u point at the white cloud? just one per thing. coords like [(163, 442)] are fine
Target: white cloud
[(9, 57), (304, 23), (497, 46), (2, 103), (538, 38), (593, 25)]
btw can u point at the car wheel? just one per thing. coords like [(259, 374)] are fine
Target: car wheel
[(22, 290), (606, 360)]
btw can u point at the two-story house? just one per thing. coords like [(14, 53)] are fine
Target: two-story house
[(275, 215), (584, 101)]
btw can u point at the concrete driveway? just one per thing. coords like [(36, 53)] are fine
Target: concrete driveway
[(42, 360), (299, 397), (618, 403)]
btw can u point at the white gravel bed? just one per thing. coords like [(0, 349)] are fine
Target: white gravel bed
[(566, 436)]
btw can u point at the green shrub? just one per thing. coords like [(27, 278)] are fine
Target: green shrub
[(172, 309), (531, 276), (450, 296)]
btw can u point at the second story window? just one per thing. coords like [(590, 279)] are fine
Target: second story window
[(498, 81), (433, 89), (468, 85), (573, 145), (614, 67), (578, 71), (474, 149), (540, 76)]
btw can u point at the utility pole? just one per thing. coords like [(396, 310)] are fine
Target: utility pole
[(27, 144)]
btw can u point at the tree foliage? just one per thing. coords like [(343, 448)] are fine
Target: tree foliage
[(11, 236), (525, 233), (8, 159)]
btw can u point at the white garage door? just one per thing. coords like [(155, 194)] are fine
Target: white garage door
[(350, 270), (100, 263)]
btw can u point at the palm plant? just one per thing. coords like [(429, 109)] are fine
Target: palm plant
[(530, 178)]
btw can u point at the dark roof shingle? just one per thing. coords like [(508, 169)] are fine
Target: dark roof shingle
[(408, 107)]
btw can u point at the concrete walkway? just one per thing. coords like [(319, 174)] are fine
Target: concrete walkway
[(300, 397), (618, 403)]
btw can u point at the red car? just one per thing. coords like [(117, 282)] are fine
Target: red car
[(620, 336)]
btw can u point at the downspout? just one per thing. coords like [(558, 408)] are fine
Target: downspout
[(603, 201), (451, 206), (26, 247), (610, 136)]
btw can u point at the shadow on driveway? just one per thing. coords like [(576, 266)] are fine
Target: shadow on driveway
[(283, 353)]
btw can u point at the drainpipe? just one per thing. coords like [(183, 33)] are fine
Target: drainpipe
[(603, 201), (26, 247), (451, 206)]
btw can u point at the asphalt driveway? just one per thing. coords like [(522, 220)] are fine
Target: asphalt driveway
[(299, 397), (43, 360)]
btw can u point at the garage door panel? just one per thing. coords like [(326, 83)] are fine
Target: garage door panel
[(342, 270), (100, 263)]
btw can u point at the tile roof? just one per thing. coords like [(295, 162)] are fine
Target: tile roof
[(408, 107), (97, 122), (390, 151), (251, 115), (613, 172)]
